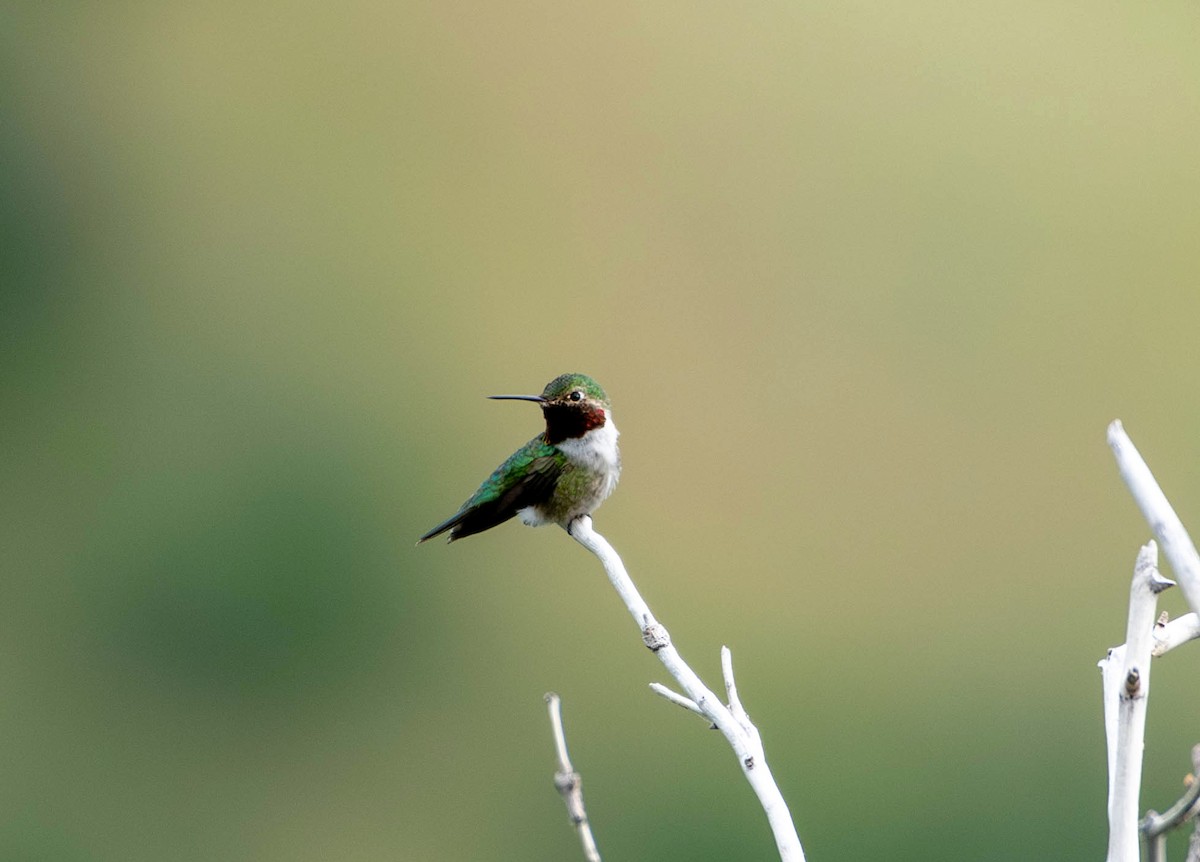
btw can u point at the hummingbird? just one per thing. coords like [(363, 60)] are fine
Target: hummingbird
[(566, 471)]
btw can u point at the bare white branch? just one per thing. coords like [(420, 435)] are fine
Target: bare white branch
[(1168, 635), (1164, 523), (1126, 674), (568, 781), (675, 698), (744, 740), (735, 703)]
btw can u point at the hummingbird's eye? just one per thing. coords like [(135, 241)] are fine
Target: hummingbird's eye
[(577, 395)]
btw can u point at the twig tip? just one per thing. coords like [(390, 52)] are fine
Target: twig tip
[(1158, 583)]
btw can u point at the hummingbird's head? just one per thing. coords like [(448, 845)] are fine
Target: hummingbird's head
[(573, 405)]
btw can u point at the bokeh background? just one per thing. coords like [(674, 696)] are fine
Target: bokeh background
[(866, 283)]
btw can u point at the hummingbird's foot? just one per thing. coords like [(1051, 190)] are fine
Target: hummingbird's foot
[(577, 520)]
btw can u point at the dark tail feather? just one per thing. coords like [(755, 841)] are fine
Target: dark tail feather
[(449, 524), (471, 521)]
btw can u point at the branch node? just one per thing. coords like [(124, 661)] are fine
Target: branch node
[(1133, 682), (570, 786), (655, 636)]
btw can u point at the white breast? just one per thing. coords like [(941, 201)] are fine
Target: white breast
[(596, 450)]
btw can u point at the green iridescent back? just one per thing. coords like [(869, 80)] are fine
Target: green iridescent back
[(516, 467)]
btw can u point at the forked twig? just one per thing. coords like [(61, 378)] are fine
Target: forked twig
[(732, 721)]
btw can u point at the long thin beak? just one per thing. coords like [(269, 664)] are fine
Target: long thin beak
[(538, 398)]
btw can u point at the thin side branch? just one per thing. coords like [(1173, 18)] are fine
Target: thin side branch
[(735, 703), (1168, 635), (1158, 824), (1165, 524), (743, 738), (675, 698), (569, 783)]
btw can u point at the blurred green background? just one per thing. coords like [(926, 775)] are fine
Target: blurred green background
[(865, 282)]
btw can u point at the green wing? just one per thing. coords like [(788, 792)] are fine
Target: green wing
[(527, 478)]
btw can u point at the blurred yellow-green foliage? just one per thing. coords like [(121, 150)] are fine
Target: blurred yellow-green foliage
[(866, 283)]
